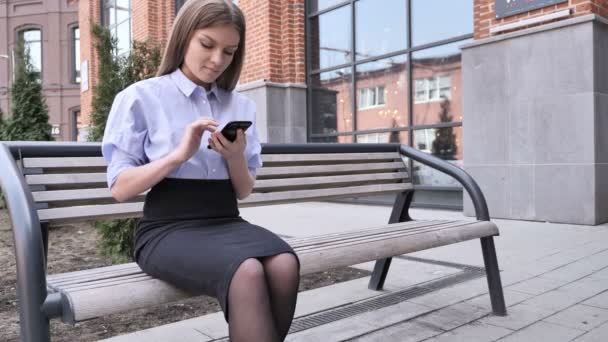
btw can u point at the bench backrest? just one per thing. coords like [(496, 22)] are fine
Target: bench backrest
[(74, 188)]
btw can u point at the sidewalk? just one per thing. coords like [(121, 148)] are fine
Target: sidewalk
[(555, 279)]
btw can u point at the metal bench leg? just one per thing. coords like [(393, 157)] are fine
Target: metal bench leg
[(399, 214), (493, 275), (376, 283)]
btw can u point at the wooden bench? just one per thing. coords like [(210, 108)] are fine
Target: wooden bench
[(49, 183)]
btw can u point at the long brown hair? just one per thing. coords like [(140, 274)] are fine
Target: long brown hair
[(198, 14)]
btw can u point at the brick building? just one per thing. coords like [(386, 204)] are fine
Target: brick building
[(514, 90), (51, 32)]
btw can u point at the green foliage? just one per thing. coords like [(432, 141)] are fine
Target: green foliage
[(444, 145), (2, 125), (30, 114), (115, 74), (117, 239), (109, 82)]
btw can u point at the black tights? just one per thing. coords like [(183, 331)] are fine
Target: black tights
[(262, 298)]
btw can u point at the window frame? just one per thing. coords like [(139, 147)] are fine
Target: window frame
[(75, 76), (106, 7), (19, 34)]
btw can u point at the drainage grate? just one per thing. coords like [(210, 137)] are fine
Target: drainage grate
[(382, 301), (467, 273)]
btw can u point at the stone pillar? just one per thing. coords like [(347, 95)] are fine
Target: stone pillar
[(536, 104), (274, 74)]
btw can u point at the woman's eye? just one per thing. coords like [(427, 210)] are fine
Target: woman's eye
[(206, 46), (229, 53)]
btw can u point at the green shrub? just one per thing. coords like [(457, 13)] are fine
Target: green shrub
[(115, 74), (117, 238)]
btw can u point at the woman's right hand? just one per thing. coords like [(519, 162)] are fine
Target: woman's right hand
[(191, 141)]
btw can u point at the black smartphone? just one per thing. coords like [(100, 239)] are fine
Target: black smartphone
[(229, 131)]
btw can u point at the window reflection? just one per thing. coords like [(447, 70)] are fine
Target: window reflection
[(380, 29), (32, 41), (434, 20), (319, 5), (117, 17), (332, 103), (382, 94), (444, 143), (437, 83), (331, 39), (76, 55)]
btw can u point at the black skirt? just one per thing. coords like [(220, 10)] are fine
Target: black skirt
[(191, 235)]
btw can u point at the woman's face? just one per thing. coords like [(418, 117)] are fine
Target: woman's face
[(210, 52)]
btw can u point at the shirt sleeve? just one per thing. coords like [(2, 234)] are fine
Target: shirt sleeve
[(124, 136), (254, 148)]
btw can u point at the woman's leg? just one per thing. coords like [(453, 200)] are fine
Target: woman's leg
[(249, 312), (283, 278)]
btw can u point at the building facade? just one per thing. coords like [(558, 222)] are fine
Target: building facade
[(512, 90), (51, 32)]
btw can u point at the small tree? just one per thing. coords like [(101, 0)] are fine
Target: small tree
[(30, 116), (444, 145), (115, 74), (2, 125), (110, 82)]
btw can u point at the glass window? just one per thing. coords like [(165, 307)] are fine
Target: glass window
[(382, 94), (75, 55), (434, 20), (371, 97), (445, 143), (332, 103), (374, 138), (437, 93), (380, 29), (319, 5), (384, 91), (331, 39), (32, 39), (117, 17)]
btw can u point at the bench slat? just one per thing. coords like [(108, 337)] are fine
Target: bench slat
[(86, 162), (125, 210), (260, 185), (67, 178), (297, 243), (327, 169), (100, 177), (94, 299)]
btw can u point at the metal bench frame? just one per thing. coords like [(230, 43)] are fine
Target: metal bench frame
[(31, 236)]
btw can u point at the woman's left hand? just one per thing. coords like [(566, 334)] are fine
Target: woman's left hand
[(229, 150)]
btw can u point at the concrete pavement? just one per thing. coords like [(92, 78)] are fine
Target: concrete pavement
[(555, 279)]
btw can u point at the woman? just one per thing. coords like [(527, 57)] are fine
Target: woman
[(156, 138)]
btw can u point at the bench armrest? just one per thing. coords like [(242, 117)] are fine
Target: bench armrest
[(479, 201), (27, 235)]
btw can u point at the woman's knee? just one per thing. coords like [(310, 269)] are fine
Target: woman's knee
[(251, 269), (284, 263)]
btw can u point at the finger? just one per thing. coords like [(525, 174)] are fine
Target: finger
[(222, 139), (217, 145)]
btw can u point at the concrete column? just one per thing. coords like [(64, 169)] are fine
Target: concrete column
[(536, 104)]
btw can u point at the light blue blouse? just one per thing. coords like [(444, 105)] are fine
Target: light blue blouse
[(148, 120)]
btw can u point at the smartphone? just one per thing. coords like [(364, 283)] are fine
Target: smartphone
[(229, 131)]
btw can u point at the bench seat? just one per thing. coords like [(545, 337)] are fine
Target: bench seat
[(98, 292)]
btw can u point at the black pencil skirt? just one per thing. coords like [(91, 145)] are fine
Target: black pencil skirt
[(191, 235)]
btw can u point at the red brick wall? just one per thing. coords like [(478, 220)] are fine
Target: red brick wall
[(88, 11), (485, 17), (275, 38), (275, 41), (152, 19)]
